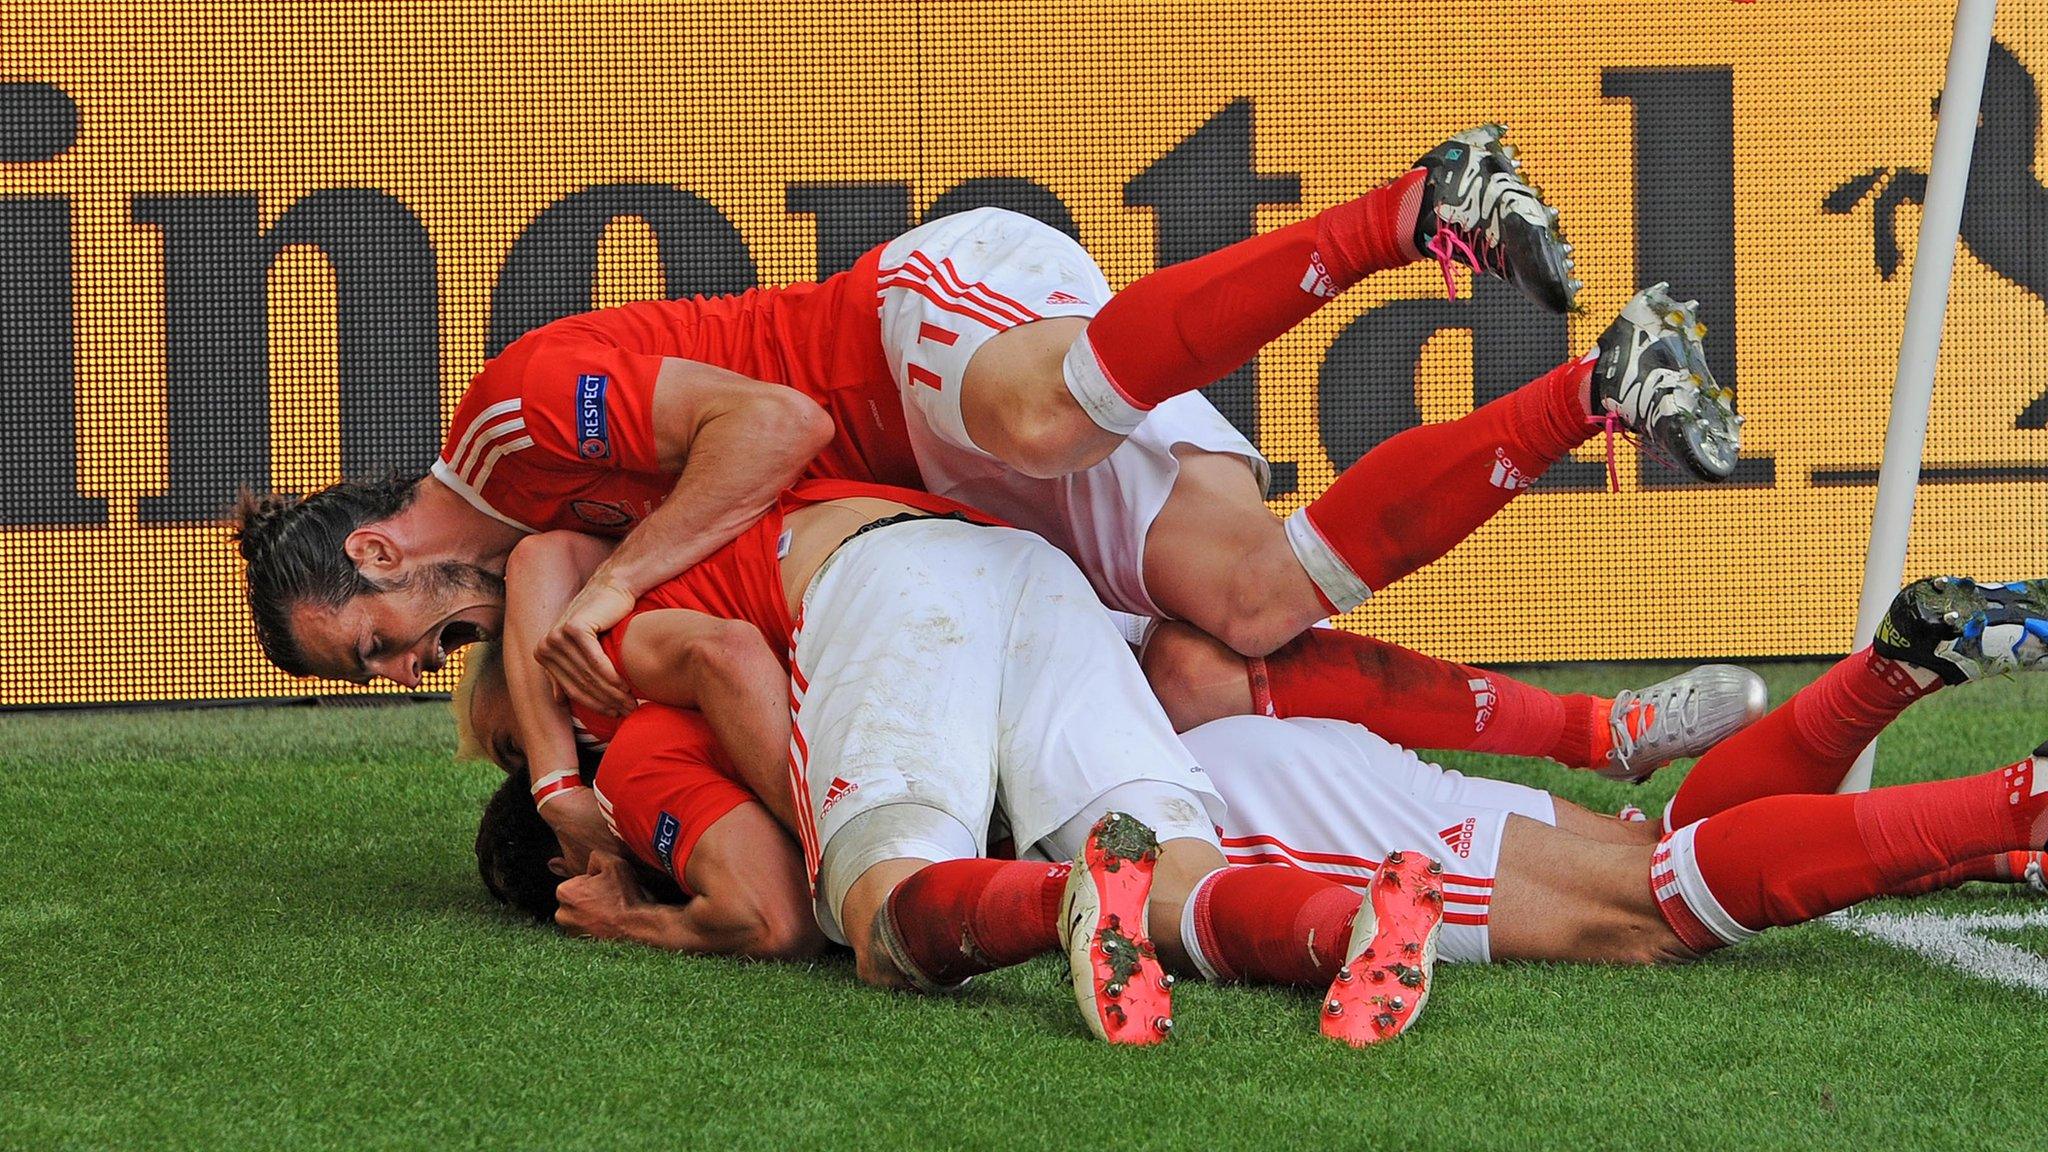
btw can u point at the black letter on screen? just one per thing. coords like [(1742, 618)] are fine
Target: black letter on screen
[(552, 268), (39, 470), (1205, 194), (217, 352), (1685, 213)]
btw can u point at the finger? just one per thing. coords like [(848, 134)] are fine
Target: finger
[(608, 685), (571, 669)]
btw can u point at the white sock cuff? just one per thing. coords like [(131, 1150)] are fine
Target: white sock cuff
[(1682, 872), (1191, 939), (1137, 630), (1340, 585), (1096, 393)]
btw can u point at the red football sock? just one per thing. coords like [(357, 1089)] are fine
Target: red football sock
[(1787, 859), (1273, 924), (1189, 325), (960, 918), (1806, 745), (1418, 701), (1998, 868), (1416, 495)]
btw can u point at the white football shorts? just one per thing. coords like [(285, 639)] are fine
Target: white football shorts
[(1330, 797), (957, 667), (946, 289)]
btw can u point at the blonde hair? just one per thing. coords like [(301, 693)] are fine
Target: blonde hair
[(479, 662)]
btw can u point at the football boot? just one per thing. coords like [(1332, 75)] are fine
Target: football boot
[(2027, 868), (1477, 209), (1680, 717), (1963, 630), (1390, 962), (1651, 379), (1124, 995)]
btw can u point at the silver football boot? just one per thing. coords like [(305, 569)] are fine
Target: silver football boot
[(1652, 376), (1680, 717)]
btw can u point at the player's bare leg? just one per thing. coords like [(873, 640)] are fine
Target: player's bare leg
[(1561, 896), (874, 959), (1057, 396), (1774, 861), (1017, 408)]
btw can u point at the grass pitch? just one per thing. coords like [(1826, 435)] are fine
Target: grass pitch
[(262, 928)]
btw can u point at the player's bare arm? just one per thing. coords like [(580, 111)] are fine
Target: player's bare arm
[(541, 576), (737, 443), (751, 900), (725, 670)]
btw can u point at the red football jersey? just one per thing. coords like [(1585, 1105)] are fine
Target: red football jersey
[(664, 783), (664, 780), (743, 580), (557, 431)]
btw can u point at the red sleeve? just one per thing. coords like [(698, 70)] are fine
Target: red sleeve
[(575, 398), (664, 784)]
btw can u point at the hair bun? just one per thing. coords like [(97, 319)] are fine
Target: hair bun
[(260, 519)]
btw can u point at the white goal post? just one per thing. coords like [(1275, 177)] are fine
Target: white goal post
[(1934, 258)]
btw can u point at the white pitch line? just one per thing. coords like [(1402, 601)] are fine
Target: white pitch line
[(1959, 942)]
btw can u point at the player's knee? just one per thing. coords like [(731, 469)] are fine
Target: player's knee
[(1048, 436), (1196, 677), (1248, 611), (1247, 616)]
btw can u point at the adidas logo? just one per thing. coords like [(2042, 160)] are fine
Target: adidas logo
[(1888, 633), (1064, 298), (1506, 475), (1458, 837), (839, 789), (1316, 281), (1483, 700)]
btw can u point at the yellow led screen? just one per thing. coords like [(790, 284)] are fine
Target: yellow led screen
[(269, 243)]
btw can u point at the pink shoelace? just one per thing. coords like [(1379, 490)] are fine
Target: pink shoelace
[(1609, 422), (1442, 245)]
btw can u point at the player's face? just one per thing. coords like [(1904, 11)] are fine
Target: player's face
[(405, 634), (491, 722)]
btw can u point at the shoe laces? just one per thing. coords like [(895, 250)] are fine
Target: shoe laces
[(1641, 719), (1449, 240), (1610, 423)]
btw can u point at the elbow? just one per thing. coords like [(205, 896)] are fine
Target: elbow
[(539, 557), (801, 424), (784, 934), (726, 651)]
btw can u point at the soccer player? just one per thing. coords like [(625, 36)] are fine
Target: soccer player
[(940, 667), (982, 356), (1755, 838)]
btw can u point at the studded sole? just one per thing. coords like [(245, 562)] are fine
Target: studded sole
[(1380, 990)]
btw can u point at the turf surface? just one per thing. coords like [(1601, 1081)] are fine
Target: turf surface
[(261, 928)]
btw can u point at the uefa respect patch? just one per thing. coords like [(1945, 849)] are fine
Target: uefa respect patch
[(593, 431), (665, 831)]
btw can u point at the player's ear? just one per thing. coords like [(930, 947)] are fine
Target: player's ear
[(374, 551)]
